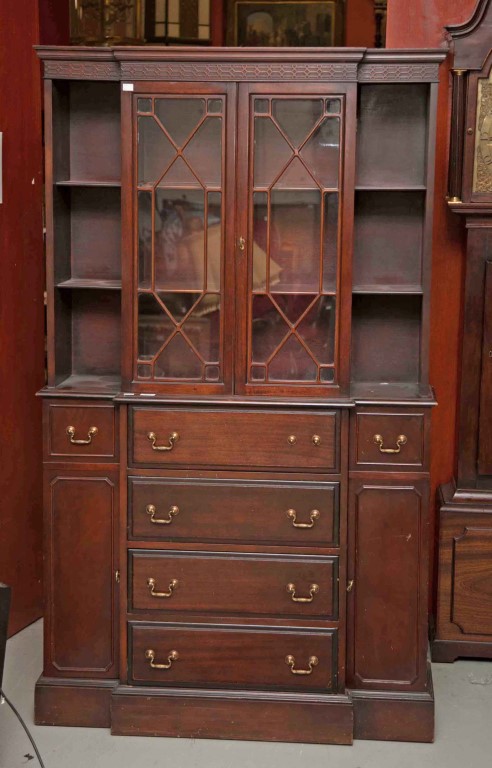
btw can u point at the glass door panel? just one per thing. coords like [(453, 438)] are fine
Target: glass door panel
[(295, 153), (180, 224)]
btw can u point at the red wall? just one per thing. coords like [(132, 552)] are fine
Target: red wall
[(419, 24), (360, 24)]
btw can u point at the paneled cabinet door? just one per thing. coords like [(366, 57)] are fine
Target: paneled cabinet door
[(183, 198), (80, 516), (387, 605), (291, 202)]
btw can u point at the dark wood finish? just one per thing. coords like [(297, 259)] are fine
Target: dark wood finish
[(80, 508), (22, 324), (73, 702), (234, 657), (390, 426), (252, 584), (259, 396), (256, 717), (388, 603), (465, 552), (235, 511), (251, 438), (83, 418)]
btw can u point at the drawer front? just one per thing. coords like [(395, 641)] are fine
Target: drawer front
[(232, 584), (80, 430), (389, 440), (301, 514), (235, 439), (223, 656)]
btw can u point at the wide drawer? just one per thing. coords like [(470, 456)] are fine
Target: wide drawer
[(234, 657), (301, 514), (247, 438), (75, 431), (389, 439), (234, 584)]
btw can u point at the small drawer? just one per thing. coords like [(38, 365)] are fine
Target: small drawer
[(246, 438), (382, 439), (233, 657), (80, 430), (209, 582), (296, 513)]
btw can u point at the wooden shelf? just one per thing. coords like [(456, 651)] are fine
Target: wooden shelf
[(391, 188), (414, 290), (113, 183), (98, 285), (77, 384)]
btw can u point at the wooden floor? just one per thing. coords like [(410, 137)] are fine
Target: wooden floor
[(463, 731)]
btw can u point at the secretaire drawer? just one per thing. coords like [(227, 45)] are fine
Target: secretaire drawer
[(246, 438), (234, 584), (235, 657), (82, 430), (382, 438), (297, 513)]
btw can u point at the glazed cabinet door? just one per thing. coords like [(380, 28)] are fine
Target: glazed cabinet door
[(80, 569), (294, 169), (388, 575), (182, 195)]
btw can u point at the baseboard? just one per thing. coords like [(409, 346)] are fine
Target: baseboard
[(447, 651), (71, 702)]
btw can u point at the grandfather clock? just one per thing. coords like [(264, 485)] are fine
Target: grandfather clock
[(464, 610)]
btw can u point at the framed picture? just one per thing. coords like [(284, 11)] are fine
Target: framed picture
[(277, 23)]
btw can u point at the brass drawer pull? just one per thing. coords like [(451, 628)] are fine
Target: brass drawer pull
[(172, 586), (400, 440), (313, 590), (91, 433), (151, 510), (172, 440), (290, 660), (150, 655), (313, 516), (316, 439)]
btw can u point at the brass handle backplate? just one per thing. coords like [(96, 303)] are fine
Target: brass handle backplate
[(150, 655), (400, 440), (291, 662), (313, 516), (151, 585), (151, 510), (313, 590), (91, 433), (172, 440)]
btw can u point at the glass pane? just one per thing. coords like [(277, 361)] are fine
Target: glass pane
[(214, 241), (144, 105), (204, 152), (214, 105), (258, 372), (212, 373), (144, 371), (260, 240), (144, 239), (202, 327), (295, 240), (297, 117), (333, 106), (154, 326), (155, 151), (178, 361), (322, 152), (271, 152), (327, 375), (269, 329), (180, 116), (317, 330), (262, 106), (292, 363), (330, 242), (179, 245)]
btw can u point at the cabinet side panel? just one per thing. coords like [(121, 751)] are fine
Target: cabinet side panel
[(80, 637), (485, 423), (387, 600)]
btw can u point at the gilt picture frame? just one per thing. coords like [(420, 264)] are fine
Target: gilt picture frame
[(291, 23)]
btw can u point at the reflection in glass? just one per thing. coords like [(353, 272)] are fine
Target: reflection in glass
[(179, 239), (204, 152), (295, 239), (269, 329), (271, 152), (178, 361), (144, 239), (214, 241), (317, 329), (292, 363), (154, 326), (330, 242), (297, 117), (180, 116), (322, 152), (155, 151)]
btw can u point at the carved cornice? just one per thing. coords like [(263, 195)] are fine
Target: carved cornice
[(396, 73), (81, 70), (238, 71)]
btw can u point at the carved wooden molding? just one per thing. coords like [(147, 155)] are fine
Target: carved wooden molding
[(397, 73), (238, 71), (81, 70)]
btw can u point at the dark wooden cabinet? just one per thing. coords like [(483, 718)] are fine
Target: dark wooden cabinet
[(463, 626), (239, 270)]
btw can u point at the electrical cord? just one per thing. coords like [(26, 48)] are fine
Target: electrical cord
[(21, 721)]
